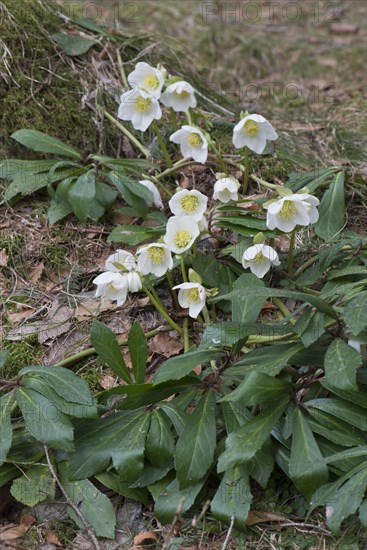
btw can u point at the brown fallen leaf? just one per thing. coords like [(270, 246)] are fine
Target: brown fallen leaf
[(107, 382), (166, 345), (17, 316), (146, 537), (55, 324), (256, 516), (36, 272), (92, 308), (52, 538), (14, 531), (3, 258)]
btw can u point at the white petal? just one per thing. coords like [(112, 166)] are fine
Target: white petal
[(260, 268), (271, 254), (195, 309), (257, 143)]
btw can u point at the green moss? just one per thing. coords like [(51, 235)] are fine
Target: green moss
[(39, 88), (21, 354), (93, 375), (13, 246)]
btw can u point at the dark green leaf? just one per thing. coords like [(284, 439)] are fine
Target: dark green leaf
[(357, 397), (120, 437), (44, 421), (94, 505), (228, 333), (261, 466), (38, 141), (108, 350), (64, 382), (245, 441), (195, 448), (304, 469), (137, 344), (73, 44), (234, 415), (246, 308), (112, 481), (151, 474), (167, 503), (36, 485), (259, 389), (233, 497), (332, 210), (355, 313), (58, 210), (179, 366), (159, 445), (134, 234), (82, 193), (268, 360), (310, 326), (6, 431), (334, 429), (341, 364), (349, 412)]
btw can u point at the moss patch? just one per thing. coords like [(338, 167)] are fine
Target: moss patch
[(39, 88)]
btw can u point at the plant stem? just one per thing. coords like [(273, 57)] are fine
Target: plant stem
[(162, 144), (264, 183), (182, 163), (219, 157), (283, 309), (163, 311), (188, 116), (173, 118), (186, 334), (183, 268), (122, 71), (91, 351), (246, 173), (159, 183), (173, 292), (291, 253), (206, 315), (128, 134)]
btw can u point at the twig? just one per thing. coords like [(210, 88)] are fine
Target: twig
[(174, 521), (229, 533), (72, 505), (196, 521)]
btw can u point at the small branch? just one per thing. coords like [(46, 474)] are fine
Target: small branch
[(174, 521), (72, 505), (225, 544)]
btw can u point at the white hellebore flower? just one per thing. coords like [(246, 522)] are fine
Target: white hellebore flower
[(191, 295), (188, 203), (133, 281), (148, 80), (112, 286), (192, 142), (253, 131), (121, 260), (181, 233), (180, 96), (140, 110), (157, 201), (259, 258), (292, 210), (226, 189), (154, 258)]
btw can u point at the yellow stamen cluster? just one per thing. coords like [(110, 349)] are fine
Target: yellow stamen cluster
[(142, 104), (182, 94), (193, 295), (182, 238), (258, 258), (288, 210), (151, 82), (189, 204), (156, 254), (194, 140), (251, 128)]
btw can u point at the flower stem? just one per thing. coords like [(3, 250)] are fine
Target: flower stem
[(122, 71), (246, 173), (283, 309), (173, 292), (206, 315), (219, 156), (162, 144), (189, 119), (265, 183), (128, 134), (173, 118), (183, 268), (291, 253), (182, 163), (186, 334), (163, 311)]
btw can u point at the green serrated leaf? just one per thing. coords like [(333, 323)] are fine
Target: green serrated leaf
[(6, 432), (269, 360), (105, 343), (341, 364), (355, 313), (233, 497), (332, 210), (304, 469), (38, 141), (94, 505), (179, 366), (245, 441), (160, 444), (195, 447), (35, 486), (44, 421), (259, 389), (138, 349), (64, 382)]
